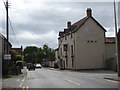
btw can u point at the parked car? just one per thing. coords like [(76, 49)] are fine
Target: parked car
[(30, 66), (37, 65)]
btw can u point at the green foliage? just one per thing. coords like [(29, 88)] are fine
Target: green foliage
[(30, 54), (13, 55), (34, 54), (18, 58)]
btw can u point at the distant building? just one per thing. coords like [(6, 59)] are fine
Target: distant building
[(18, 50), (110, 47), (83, 45)]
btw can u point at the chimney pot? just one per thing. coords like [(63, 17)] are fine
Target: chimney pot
[(68, 24), (89, 12)]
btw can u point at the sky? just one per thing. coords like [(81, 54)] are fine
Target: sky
[(38, 22)]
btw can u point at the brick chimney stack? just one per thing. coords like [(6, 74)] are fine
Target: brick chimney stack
[(89, 12), (68, 24)]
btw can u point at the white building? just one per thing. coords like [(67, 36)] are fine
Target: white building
[(83, 45)]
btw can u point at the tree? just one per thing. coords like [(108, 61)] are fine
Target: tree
[(18, 58), (30, 54), (34, 54), (13, 55), (40, 55)]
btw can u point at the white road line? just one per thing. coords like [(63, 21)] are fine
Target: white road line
[(72, 81), (22, 82), (20, 85), (113, 81), (18, 80), (27, 88), (23, 88)]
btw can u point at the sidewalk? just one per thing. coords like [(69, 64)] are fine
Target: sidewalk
[(13, 82), (23, 73), (114, 78)]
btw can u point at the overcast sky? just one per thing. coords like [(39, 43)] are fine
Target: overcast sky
[(38, 22)]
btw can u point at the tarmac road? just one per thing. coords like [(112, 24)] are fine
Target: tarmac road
[(50, 78)]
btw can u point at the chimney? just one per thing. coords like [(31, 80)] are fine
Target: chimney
[(68, 24), (89, 12), (65, 30)]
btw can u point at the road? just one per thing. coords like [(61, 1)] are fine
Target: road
[(48, 78)]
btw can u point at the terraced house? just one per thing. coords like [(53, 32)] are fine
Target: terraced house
[(83, 45)]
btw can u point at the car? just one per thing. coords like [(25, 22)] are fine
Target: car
[(31, 66), (37, 65)]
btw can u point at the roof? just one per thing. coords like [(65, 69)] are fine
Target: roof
[(17, 49), (4, 38), (81, 22), (109, 40), (74, 27)]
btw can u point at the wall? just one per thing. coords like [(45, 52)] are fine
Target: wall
[(110, 50), (90, 46)]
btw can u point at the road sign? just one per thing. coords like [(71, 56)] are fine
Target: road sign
[(7, 57)]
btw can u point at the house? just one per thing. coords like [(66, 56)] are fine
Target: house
[(5, 46), (82, 45), (18, 50)]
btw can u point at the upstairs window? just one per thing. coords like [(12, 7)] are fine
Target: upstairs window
[(65, 47), (71, 35)]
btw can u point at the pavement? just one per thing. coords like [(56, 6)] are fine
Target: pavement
[(7, 82), (114, 78)]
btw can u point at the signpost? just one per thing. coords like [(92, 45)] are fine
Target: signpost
[(7, 57)]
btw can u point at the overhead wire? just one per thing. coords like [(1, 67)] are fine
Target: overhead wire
[(13, 32), (11, 26)]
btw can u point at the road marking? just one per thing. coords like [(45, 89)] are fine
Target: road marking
[(113, 81), (27, 88), (22, 82), (72, 81), (23, 88), (18, 80)]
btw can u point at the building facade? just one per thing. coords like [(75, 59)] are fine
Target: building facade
[(82, 45), (5, 46)]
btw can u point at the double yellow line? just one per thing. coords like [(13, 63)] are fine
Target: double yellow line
[(24, 88)]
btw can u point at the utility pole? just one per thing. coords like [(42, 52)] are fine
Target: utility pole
[(7, 23), (116, 39)]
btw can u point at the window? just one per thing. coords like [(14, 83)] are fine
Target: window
[(66, 63), (61, 51), (91, 41), (72, 63), (65, 37), (71, 35), (71, 50), (65, 47)]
